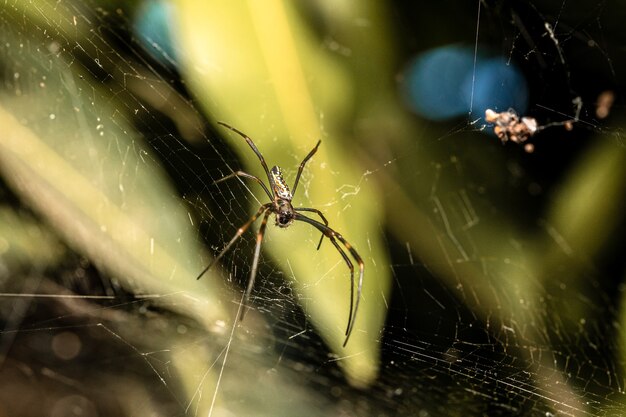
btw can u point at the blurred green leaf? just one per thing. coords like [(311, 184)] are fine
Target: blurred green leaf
[(68, 151), (25, 242), (268, 76)]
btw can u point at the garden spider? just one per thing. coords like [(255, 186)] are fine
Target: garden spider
[(286, 213)]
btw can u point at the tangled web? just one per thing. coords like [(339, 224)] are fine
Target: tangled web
[(504, 265)]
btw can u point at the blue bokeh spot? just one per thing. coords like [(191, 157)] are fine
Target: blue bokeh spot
[(438, 84), (152, 24)]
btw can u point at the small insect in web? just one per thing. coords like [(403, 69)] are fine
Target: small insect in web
[(281, 206), (509, 126)]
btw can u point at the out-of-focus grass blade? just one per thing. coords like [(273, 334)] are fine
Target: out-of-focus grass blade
[(124, 237), (67, 149), (25, 242), (256, 66)]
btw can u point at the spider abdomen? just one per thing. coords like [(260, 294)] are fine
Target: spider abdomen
[(280, 186)]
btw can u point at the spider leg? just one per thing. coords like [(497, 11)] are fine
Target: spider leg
[(255, 263), (246, 175), (302, 164), (349, 263), (254, 148), (359, 261), (331, 234), (319, 213), (240, 232)]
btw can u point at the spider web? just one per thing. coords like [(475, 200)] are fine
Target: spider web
[(493, 276)]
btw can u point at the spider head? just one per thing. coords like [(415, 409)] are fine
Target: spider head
[(284, 213)]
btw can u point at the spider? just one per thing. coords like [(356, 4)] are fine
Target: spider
[(285, 213)]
